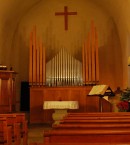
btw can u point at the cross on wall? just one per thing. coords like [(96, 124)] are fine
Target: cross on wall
[(65, 14)]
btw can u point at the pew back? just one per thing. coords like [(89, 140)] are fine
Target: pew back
[(91, 128), (99, 114), (90, 136), (35, 143), (5, 132), (19, 123)]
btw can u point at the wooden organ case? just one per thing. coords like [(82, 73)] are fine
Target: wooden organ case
[(7, 91), (63, 77)]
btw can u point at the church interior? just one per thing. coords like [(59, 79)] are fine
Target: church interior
[(56, 53)]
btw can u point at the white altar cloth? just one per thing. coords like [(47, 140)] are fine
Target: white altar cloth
[(60, 105)]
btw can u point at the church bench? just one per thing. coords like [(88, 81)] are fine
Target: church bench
[(94, 117), (5, 132), (35, 143), (96, 121), (92, 126), (97, 114), (99, 124), (87, 136), (99, 117), (20, 120), (15, 128), (98, 130)]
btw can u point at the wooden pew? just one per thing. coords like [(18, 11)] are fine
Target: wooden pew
[(5, 132), (21, 121), (97, 114), (89, 136), (94, 117), (34, 143), (97, 118), (21, 118), (96, 121), (94, 128), (15, 128), (92, 122)]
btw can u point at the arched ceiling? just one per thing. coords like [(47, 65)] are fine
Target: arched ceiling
[(119, 9), (12, 12)]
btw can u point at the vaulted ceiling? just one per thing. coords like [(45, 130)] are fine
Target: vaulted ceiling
[(12, 13)]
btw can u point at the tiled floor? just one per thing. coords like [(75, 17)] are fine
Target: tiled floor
[(35, 132)]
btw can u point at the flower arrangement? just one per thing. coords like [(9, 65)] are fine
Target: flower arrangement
[(123, 106)]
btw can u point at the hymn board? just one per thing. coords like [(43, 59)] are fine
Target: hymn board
[(63, 77)]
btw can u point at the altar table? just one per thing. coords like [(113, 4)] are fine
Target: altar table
[(60, 108)]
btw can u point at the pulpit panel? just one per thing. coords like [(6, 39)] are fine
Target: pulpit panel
[(7, 91), (93, 103)]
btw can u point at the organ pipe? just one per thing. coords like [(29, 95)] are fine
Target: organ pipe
[(65, 69)]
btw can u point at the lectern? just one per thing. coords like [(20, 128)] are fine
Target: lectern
[(101, 91), (7, 91)]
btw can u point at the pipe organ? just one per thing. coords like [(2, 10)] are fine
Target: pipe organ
[(37, 61), (90, 58), (62, 76), (64, 69)]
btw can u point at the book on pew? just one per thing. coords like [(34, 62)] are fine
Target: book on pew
[(101, 90)]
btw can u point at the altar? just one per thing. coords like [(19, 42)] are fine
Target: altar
[(60, 108)]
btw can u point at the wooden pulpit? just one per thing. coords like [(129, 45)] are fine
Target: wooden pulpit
[(7, 91)]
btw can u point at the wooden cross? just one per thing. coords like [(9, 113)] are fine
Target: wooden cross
[(65, 14)]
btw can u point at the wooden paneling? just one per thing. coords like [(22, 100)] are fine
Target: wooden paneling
[(40, 94), (36, 104)]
